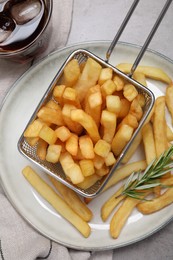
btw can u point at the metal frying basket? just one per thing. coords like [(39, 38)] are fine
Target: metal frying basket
[(55, 170)]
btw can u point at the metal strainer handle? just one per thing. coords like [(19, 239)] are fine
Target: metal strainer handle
[(148, 40)]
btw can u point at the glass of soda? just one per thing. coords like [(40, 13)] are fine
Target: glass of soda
[(24, 28)]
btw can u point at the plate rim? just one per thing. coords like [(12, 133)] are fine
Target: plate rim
[(88, 248)]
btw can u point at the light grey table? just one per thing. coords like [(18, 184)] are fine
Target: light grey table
[(100, 20)]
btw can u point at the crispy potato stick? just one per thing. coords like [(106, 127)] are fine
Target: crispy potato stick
[(73, 200), (105, 74), (32, 141), (53, 105), (48, 134), (133, 148), (159, 126), (72, 144), (89, 77), (121, 215), (71, 169), (42, 149), (119, 82), (140, 77), (70, 97), (169, 99), (160, 202), (149, 72), (86, 147), (53, 153), (169, 133), (130, 92), (71, 73), (124, 171), (58, 92), (56, 201), (51, 115), (89, 181), (111, 203), (79, 116), (149, 144), (108, 121), (87, 167), (63, 133), (66, 113), (34, 128), (121, 138)]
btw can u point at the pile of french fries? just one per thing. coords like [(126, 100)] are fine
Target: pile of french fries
[(90, 118), (88, 121)]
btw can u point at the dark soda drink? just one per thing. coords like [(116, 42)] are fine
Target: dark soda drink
[(23, 28)]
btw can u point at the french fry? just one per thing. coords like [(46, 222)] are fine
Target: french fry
[(169, 134), (71, 169), (121, 138), (50, 115), (53, 105), (79, 116), (73, 200), (102, 148), (108, 121), (140, 77), (48, 134), (70, 97), (58, 93), (63, 133), (87, 167), (113, 104), (108, 88), (124, 171), (160, 202), (148, 71), (110, 159), (136, 110), (89, 181), (159, 126), (169, 99), (130, 92), (102, 171), (136, 142), (141, 100), (72, 144), (149, 144), (86, 147), (34, 128), (71, 73), (125, 107), (111, 203), (98, 161), (42, 149), (89, 77), (105, 74), (93, 103), (53, 153), (121, 215), (32, 141), (130, 120), (119, 82), (72, 126), (56, 201)]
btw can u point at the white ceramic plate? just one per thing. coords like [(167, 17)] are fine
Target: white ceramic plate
[(15, 113)]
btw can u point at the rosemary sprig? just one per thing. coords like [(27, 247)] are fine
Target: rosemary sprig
[(138, 182)]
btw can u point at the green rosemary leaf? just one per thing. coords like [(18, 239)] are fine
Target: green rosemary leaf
[(150, 177)]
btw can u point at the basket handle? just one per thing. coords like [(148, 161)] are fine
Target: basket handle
[(148, 40)]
